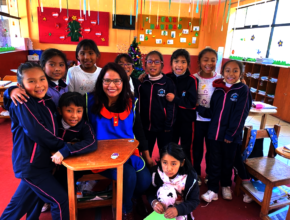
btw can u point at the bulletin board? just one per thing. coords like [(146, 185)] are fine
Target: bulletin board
[(54, 26), (169, 32)]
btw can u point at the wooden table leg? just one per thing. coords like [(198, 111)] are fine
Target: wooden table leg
[(263, 121), (71, 195), (266, 201), (119, 192)]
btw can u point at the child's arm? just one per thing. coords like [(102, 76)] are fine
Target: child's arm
[(70, 80), (191, 202), (88, 143), (14, 94), (188, 101), (30, 120), (240, 113), (170, 108), (204, 112)]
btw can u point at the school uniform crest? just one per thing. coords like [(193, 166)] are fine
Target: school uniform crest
[(234, 97), (161, 92), (183, 93)]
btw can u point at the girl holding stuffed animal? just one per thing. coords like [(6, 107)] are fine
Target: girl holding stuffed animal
[(174, 190), (229, 107)]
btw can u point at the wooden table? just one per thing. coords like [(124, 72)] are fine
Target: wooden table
[(264, 113), (100, 159), (283, 153)]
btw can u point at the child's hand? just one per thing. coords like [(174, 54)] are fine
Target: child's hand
[(227, 141), (171, 212), (141, 77), (158, 207), (170, 97), (57, 158), (18, 95), (150, 162)]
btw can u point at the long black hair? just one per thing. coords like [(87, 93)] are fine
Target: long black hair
[(52, 52), (233, 61), (125, 97), (23, 67), (177, 152)]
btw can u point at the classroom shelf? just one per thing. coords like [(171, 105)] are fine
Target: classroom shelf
[(280, 89)]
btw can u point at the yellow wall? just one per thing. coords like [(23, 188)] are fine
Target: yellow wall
[(121, 39)]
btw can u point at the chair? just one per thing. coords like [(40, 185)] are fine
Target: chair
[(10, 78), (269, 170)]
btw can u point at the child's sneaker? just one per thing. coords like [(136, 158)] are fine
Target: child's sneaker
[(209, 196), (227, 193), (199, 181), (206, 179), (247, 199)]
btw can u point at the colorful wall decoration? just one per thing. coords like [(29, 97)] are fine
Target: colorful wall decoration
[(68, 27), (168, 31)]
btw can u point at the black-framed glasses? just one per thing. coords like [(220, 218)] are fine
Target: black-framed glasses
[(107, 82), (125, 64), (156, 62)]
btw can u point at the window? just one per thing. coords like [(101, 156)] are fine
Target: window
[(260, 30), (9, 25)]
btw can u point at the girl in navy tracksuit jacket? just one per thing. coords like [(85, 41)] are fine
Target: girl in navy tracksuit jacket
[(54, 64), (35, 131), (157, 114), (174, 191), (229, 107), (185, 99)]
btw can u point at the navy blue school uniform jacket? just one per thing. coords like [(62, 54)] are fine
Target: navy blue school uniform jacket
[(186, 95), (157, 114), (35, 136), (229, 108), (190, 194), (82, 134)]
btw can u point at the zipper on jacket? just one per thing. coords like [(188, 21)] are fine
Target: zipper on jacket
[(217, 133), (185, 198), (51, 120), (63, 133), (150, 106), (33, 152)]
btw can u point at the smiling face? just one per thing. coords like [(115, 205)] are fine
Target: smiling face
[(112, 85), (153, 69), (207, 63), (87, 58), (55, 68), (35, 82), (72, 114), (179, 65), (170, 165), (232, 73), (128, 67)]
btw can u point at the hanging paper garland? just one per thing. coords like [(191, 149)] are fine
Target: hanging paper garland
[(80, 8), (141, 14), (200, 13), (85, 9), (136, 11), (150, 12), (179, 12), (144, 10), (229, 10), (218, 11), (98, 13), (192, 15), (41, 6), (59, 5), (206, 12), (197, 6), (224, 15), (38, 6), (158, 14), (189, 8), (210, 19), (89, 8), (31, 10), (67, 8), (131, 12)]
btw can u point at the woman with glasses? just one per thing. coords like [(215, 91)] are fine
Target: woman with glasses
[(125, 61), (111, 111), (157, 114)]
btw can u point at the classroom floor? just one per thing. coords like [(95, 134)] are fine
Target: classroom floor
[(217, 210)]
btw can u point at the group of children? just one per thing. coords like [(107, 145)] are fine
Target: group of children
[(167, 108)]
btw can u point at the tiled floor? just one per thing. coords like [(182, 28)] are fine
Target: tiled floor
[(284, 137)]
